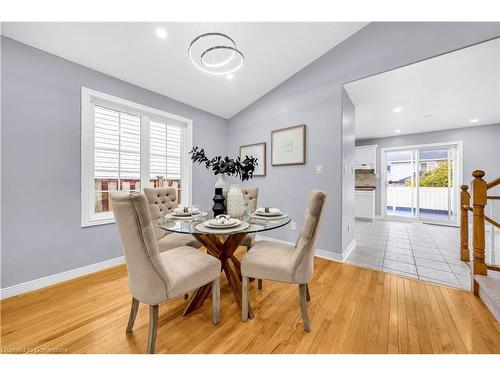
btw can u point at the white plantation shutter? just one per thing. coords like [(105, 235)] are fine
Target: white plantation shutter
[(174, 135), (123, 148), (165, 150), (116, 145)]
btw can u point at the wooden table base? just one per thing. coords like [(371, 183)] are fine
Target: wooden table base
[(224, 251)]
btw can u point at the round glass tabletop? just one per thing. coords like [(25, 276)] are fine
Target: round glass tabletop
[(191, 225)]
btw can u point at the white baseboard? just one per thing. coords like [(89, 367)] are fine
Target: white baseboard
[(258, 237), (328, 255), (348, 250), (319, 253), (43, 282)]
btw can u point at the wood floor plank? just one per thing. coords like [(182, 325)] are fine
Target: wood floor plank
[(393, 340), (411, 318), (423, 328), (383, 331), (352, 310)]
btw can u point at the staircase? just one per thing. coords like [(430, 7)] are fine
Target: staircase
[(488, 288), (485, 277)]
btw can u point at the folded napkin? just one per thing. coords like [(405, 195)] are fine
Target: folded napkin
[(185, 210), (222, 219)]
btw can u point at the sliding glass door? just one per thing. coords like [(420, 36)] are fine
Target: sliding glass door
[(401, 183), (420, 183)]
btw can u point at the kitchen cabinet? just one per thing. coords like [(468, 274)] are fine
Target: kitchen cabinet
[(364, 204), (365, 157)]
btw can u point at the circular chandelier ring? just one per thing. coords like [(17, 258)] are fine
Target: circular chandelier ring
[(215, 48), (201, 36), (204, 65), (237, 52)]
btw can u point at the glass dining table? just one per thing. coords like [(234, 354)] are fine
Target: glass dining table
[(220, 243)]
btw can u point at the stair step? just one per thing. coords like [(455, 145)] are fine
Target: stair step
[(489, 291)]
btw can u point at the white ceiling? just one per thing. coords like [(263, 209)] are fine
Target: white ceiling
[(441, 93), (132, 52)]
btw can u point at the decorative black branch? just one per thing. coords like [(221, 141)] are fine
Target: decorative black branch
[(231, 167)]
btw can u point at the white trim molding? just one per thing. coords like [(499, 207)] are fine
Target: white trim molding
[(328, 255), (89, 99), (348, 250), (44, 282)]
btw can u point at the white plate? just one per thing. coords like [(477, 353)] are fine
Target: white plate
[(274, 217), (182, 213), (212, 223), (189, 216), (203, 228), (273, 213)]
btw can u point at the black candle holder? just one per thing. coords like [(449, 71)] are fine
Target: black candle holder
[(218, 208)]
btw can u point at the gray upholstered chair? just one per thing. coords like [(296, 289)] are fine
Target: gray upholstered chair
[(250, 194), (155, 277), (277, 261), (161, 202)]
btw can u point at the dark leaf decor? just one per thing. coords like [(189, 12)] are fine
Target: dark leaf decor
[(224, 165)]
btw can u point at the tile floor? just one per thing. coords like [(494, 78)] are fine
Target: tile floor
[(422, 251)]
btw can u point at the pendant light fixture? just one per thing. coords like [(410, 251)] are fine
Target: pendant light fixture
[(215, 53)]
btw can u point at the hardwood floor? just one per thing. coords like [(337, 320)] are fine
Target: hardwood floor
[(352, 310)]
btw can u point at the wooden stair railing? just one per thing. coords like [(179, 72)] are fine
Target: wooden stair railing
[(464, 224), (479, 201)]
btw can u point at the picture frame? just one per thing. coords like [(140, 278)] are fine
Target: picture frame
[(288, 146), (256, 150)]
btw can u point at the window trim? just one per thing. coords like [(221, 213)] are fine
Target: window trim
[(89, 98)]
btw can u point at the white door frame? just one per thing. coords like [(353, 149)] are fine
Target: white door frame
[(383, 177)]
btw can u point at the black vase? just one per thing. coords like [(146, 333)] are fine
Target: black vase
[(218, 208)]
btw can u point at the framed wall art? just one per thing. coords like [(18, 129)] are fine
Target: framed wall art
[(256, 150), (288, 146)]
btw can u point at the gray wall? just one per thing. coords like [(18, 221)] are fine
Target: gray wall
[(41, 140), (481, 150), (348, 139), (41, 162), (314, 95)]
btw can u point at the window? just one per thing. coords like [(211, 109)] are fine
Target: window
[(165, 156), (117, 154), (127, 146)]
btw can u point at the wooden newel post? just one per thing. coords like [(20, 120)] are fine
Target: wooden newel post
[(464, 224), (479, 190)]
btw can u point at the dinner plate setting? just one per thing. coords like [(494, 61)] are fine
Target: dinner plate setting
[(222, 224), (186, 213), (269, 213)]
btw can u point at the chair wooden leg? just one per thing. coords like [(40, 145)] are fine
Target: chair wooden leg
[(244, 299), (216, 301), (153, 327), (308, 295), (259, 283), (303, 306), (133, 315)]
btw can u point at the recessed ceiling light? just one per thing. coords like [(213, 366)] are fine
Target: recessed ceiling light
[(161, 33), (397, 109), (398, 130), (427, 116), (474, 120), (230, 76)]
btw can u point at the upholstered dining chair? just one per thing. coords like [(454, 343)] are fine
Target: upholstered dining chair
[(250, 194), (161, 202), (155, 277), (291, 264)]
